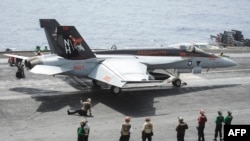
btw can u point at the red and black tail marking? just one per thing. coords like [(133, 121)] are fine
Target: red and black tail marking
[(71, 45)]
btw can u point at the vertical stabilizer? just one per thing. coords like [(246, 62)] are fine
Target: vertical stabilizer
[(49, 26), (71, 45)]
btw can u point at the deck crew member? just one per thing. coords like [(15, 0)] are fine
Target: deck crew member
[(147, 130), (85, 109), (125, 130)]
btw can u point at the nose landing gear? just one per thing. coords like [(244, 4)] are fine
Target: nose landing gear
[(177, 82)]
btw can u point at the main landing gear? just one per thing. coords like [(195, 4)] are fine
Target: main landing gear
[(20, 71), (94, 82), (115, 90)]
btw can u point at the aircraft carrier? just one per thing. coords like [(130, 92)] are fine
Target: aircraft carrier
[(35, 108)]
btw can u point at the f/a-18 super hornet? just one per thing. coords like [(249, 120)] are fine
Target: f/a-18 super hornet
[(118, 68)]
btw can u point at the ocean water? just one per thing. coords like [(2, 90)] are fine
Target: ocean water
[(126, 23)]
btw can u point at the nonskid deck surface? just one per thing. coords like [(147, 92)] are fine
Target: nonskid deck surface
[(35, 108)]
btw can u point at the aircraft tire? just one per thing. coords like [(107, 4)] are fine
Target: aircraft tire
[(115, 90), (22, 74), (94, 82), (19, 75), (176, 82)]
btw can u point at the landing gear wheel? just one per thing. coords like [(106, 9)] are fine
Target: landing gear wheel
[(176, 82), (20, 74), (115, 90), (94, 82)]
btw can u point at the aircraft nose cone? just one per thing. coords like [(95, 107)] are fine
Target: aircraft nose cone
[(228, 62)]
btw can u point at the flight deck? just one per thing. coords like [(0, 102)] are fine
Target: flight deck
[(35, 108)]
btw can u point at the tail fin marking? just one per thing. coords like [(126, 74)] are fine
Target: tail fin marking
[(49, 26), (71, 45)]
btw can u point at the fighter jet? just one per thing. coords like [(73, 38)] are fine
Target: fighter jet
[(119, 68)]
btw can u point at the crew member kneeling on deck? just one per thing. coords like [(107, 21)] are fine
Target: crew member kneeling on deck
[(86, 107)]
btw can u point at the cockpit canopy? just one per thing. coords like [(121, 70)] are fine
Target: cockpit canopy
[(188, 47)]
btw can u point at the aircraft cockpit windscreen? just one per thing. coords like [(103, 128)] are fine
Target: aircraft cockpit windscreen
[(197, 49), (191, 48)]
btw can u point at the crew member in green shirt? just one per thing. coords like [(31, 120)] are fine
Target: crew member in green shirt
[(218, 128), (228, 119)]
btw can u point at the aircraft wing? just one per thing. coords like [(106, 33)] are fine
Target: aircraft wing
[(17, 56), (49, 70), (118, 72)]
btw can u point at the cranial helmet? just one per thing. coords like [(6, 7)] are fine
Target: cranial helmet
[(147, 119), (202, 111), (127, 119), (219, 112), (89, 99), (83, 121), (180, 118)]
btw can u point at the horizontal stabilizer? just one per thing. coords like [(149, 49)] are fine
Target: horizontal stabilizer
[(48, 70), (17, 56)]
